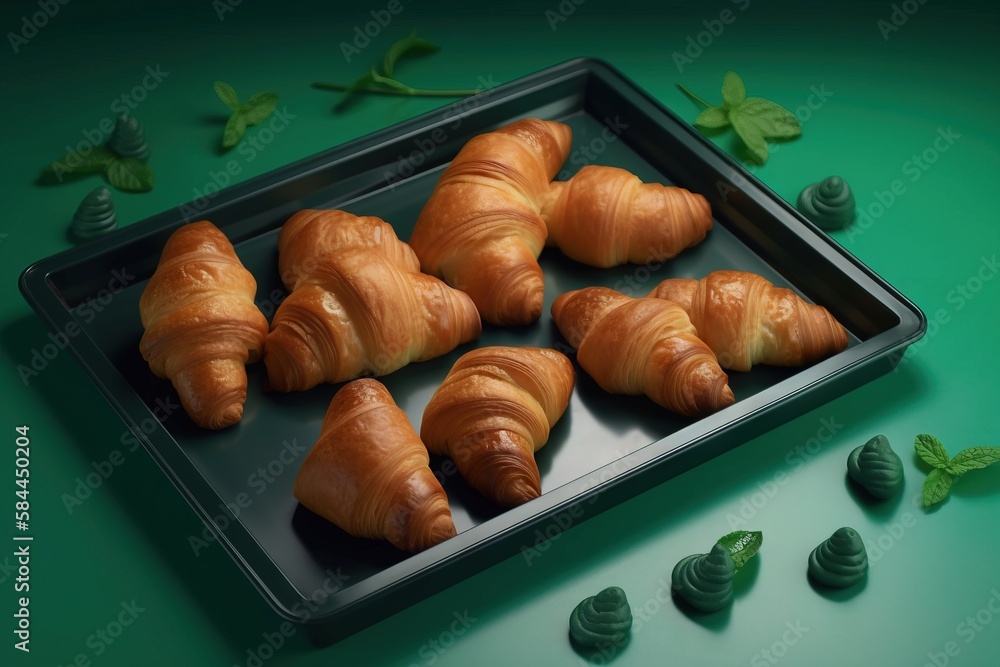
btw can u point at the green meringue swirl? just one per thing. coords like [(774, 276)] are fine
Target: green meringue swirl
[(840, 561), (95, 215), (705, 581), (128, 139), (876, 467), (829, 203), (602, 619)]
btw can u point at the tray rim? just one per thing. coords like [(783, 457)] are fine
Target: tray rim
[(35, 286)]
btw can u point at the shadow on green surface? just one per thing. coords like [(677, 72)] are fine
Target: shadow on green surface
[(871, 505), (838, 594)]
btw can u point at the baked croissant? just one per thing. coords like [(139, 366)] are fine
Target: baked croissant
[(368, 472), (311, 234), (746, 320), (201, 324), (481, 230), (360, 308), (493, 412), (642, 346), (606, 216)]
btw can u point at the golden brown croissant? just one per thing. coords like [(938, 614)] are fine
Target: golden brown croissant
[(481, 230), (368, 472), (746, 320), (201, 324), (362, 308), (606, 216), (493, 412), (642, 346), (311, 234), (496, 206)]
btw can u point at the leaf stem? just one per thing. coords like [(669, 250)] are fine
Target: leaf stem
[(693, 96), (410, 92)]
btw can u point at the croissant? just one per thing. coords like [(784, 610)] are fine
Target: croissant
[(311, 234), (362, 307), (606, 216), (481, 230), (642, 346), (201, 324), (368, 472), (746, 320), (496, 206), (493, 412)]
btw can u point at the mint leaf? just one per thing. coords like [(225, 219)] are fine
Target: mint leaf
[(712, 118), (130, 175), (236, 126), (411, 45), (931, 450), (75, 163), (733, 90), (742, 545), (751, 136), (936, 486), (773, 120), (974, 458), (258, 108), (227, 95)]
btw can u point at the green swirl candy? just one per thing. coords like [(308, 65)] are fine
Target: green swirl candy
[(705, 581), (840, 561), (128, 139), (876, 467), (602, 619), (95, 215), (829, 203)]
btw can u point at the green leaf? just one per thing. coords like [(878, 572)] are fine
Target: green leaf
[(130, 175), (773, 120), (733, 90), (227, 95), (742, 545), (936, 486), (93, 162), (236, 126), (258, 108), (973, 458), (712, 118), (751, 136), (409, 46), (931, 450)]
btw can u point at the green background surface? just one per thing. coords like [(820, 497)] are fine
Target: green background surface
[(888, 100)]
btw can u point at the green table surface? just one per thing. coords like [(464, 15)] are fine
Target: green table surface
[(910, 110)]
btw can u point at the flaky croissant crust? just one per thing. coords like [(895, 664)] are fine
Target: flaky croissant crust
[(201, 323)]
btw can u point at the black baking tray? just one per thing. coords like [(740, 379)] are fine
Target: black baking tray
[(604, 450)]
